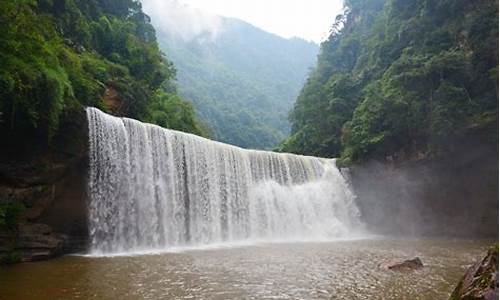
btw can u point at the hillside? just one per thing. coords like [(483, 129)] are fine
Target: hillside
[(399, 79), (241, 79), (58, 56)]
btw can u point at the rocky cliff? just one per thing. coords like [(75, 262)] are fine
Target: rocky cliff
[(49, 184), (455, 194)]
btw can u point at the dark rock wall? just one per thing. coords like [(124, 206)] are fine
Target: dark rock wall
[(453, 195), (50, 181)]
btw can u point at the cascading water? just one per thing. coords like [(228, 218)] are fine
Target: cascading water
[(152, 188)]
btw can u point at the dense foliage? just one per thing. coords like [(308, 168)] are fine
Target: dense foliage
[(10, 214), (242, 82), (60, 54), (400, 77)]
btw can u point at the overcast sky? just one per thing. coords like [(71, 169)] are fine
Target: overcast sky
[(308, 19)]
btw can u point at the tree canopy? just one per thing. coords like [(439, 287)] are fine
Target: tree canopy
[(60, 54), (399, 76)]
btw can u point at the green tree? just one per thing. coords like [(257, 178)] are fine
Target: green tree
[(58, 54), (400, 76)]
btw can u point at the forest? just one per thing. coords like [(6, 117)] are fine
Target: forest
[(400, 78), (60, 55), (242, 81), (395, 78)]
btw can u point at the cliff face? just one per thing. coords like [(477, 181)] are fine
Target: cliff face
[(50, 183), (453, 195)]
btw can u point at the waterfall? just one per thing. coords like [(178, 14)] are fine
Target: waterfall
[(153, 188)]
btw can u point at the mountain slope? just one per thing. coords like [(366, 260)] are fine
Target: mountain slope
[(241, 79), (58, 56), (400, 78)]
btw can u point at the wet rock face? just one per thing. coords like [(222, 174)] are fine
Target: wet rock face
[(480, 282), (454, 195), (37, 241), (50, 183)]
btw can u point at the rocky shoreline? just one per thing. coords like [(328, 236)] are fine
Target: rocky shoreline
[(480, 282)]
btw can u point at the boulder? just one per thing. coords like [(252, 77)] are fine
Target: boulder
[(407, 265), (480, 282)]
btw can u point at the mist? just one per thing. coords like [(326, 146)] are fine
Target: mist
[(454, 196), (182, 21)]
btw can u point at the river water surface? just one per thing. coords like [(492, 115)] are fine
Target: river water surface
[(327, 270)]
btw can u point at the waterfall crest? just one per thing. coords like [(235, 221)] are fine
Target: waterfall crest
[(153, 188)]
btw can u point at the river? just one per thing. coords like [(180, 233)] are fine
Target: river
[(327, 270)]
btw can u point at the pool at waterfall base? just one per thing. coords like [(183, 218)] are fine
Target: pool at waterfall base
[(345, 269)]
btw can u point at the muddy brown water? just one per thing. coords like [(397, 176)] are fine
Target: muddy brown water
[(327, 270)]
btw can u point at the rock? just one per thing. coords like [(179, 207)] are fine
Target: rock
[(50, 181), (37, 241), (407, 265), (26, 195), (6, 241), (480, 282), (112, 100), (28, 229), (36, 255)]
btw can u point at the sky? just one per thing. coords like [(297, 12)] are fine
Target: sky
[(307, 19)]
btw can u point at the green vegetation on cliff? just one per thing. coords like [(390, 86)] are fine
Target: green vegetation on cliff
[(10, 214), (400, 77), (57, 55)]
